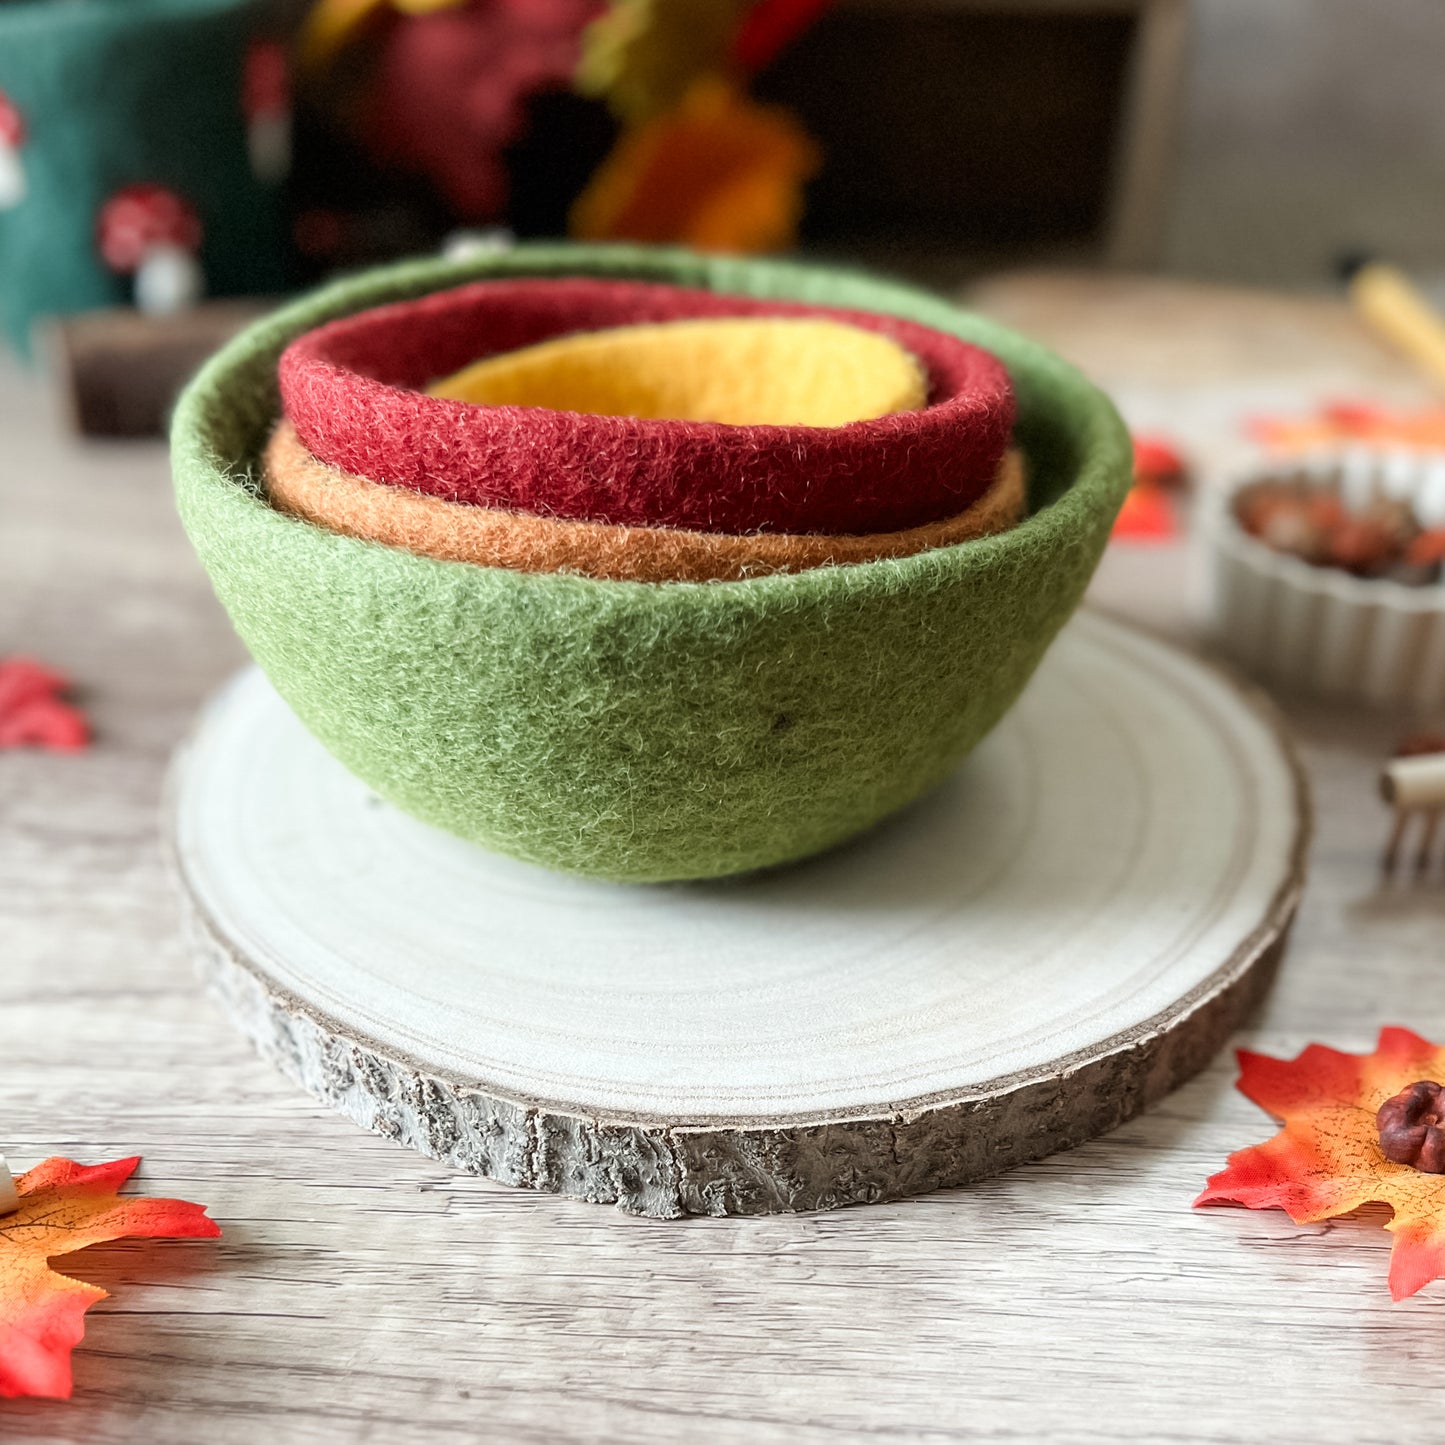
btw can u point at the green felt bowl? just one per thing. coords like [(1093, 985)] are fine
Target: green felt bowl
[(632, 730)]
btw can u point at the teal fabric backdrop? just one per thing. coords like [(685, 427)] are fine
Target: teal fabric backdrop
[(116, 92)]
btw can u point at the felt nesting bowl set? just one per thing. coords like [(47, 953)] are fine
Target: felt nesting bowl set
[(640, 564)]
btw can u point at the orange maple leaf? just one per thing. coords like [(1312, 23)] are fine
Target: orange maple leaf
[(1327, 1159), (1146, 516), (1341, 423), (718, 172), (65, 1207)]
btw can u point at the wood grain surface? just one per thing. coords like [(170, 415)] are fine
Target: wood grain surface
[(362, 1293)]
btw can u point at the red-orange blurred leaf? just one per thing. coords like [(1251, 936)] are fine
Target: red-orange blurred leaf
[(1158, 460), (1327, 1159), (719, 173), (1146, 516), (32, 712), (65, 1207), (643, 56), (1345, 423), (770, 27)]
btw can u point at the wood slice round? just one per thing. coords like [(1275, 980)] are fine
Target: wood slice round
[(1062, 933)]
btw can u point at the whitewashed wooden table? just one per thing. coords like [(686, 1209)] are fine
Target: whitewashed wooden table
[(362, 1293)]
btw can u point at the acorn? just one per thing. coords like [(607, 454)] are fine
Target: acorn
[(1410, 1126)]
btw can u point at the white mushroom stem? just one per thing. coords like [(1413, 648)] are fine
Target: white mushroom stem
[(12, 176), (469, 242), (9, 1198), (1417, 782), (268, 143), (168, 280)]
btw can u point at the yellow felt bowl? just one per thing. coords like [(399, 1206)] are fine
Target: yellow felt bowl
[(736, 370)]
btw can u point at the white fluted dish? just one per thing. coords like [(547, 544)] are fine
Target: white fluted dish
[(1320, 630)]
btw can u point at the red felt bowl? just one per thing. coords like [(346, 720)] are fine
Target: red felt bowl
[(351, 390)]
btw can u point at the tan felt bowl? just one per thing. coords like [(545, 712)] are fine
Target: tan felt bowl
[(300, 484)]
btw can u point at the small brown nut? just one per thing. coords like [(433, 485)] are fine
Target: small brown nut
[(1411, 1127), (1325, 510), (1254, 503), (1286, 527), (1361, 545), (1427, 549), (1395, 515)]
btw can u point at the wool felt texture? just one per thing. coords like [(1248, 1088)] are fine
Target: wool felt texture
[(114, 92), (346, 386), (297, 483), (780, 370), (634, 731)]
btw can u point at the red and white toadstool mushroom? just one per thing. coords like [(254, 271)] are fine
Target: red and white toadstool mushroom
[(266, 101), (12, 169), (152, 233)]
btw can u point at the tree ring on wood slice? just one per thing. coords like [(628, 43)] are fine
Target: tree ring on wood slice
[(1066, 930)]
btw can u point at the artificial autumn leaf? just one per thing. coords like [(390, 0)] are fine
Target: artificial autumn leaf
[(331, 25), (643, 56), (1343, 423), (65, 1207), (1158, 460), (1148, 513), (1328, 1158), (720, 173), (770, 27), (1146, 516), (32, 712)]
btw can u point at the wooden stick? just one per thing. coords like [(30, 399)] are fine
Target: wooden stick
[(1396, 308), (1427, 840), (1414, 782), (1397, 836)]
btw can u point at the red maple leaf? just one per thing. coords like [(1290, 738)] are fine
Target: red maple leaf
[(65, 1207), (770, 27), (1328, 1158), (32, 713), (1146, 516), (1158, 460)]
